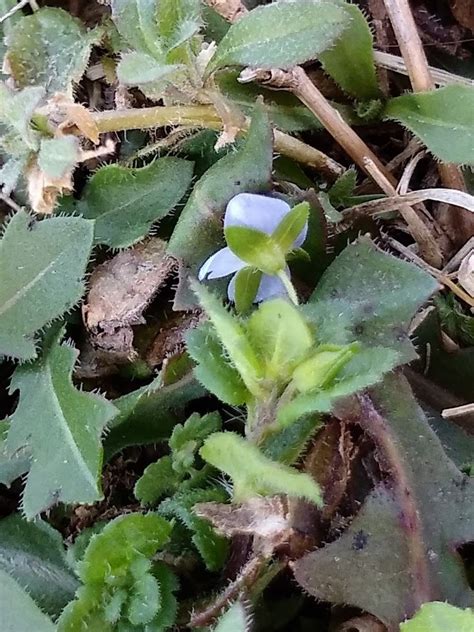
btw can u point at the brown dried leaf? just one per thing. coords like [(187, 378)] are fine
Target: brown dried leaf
[(43, 190), (463, 11), (120, 290)]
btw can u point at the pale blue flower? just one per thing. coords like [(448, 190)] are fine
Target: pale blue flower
[(259, 212)]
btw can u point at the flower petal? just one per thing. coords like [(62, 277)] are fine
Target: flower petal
[(299, 241), (255, 211), (220, 264), (270, 287)]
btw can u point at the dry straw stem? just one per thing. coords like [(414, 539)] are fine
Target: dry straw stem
[(421, 80)]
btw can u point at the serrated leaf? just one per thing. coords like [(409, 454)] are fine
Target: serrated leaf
[(149, 414), (33, 554), (417, 558), (49, 48), (118, 575), (199, 230), (442, 118), (212, 548), (233, 338), (157, 480), (65, 467), (281, 35), (187, 438), (42, 265), (125, 202), (19, 611), (11, 467), (234, 619), (213, 370), (369, 296), (350, 61), (343, 189), (16, 110), (437, 616), (136, 22), (178, 20), (254, 474)]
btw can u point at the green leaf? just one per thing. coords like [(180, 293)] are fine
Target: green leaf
[(280, 337), (247, 282), (16, 110), (157, 480), (443, 119), (366, 368), (377, 550), (253, 473), (343, 189), (41, 269), (350, 61), (368, 296), (119, 580), (281, 35), (65, 467), (291, 226), (322, 367), (179, 21), (149, 414), (199, 230), (233, 338), (19, 611), (187, 438), (136, 22), (33, 554), (58, 156), (235, 619), (139, 69), (213, 370), (11, 466), (49, 48), (212, 548), (125, 202), (256, 248), (437, 616)]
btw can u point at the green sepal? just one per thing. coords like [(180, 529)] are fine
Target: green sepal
[(247, 282), (256, 248), (322, 367), (291, 226)]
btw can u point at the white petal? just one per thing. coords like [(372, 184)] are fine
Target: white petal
[(220, 264), (255, 211), (299, 241), (270, 287)]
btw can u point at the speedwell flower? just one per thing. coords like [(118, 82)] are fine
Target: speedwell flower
[(265, 215)]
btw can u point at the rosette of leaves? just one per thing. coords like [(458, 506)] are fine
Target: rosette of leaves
[(159, 43), (122, 587)]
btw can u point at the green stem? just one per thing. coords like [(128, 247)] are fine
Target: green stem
[(289, 287)]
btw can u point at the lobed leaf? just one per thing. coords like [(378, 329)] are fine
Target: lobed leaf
[(442, 118), (41, 269), (281, 35), (66, 466)]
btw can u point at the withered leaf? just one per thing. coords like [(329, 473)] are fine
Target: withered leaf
[(120, 290), (400, 549)]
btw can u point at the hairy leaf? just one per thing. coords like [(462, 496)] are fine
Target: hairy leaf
[(406, 534), (11, 466), (350, 62), (33, 554), (282, 34), (16, 110), (19, 611), (41, 270), (61, 427), (212, 548), (157, 480), (252, 472), (235, 619), (443, 119), (49, 48), (125, 202), (187, 438), (120, 583), (439, 617), (58, 156), (199, 230), (213, 369), (369, 296)]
